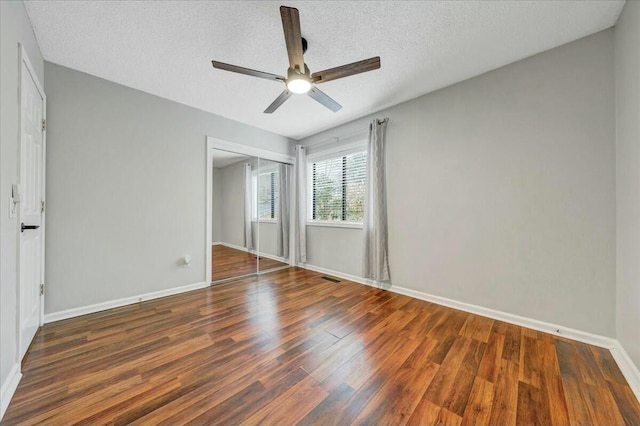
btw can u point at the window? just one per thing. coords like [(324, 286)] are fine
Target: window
[(337, 188), (268, 190)]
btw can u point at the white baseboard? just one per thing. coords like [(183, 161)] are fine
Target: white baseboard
[(342, 275), (233, 246), (267, 255), (546, 327), (84, 310), (217, 243), (558, 330), (627, 367), (9, 388), (274, 257)]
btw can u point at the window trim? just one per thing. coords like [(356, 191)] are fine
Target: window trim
[(338, 151), (335, 224), (264, 221), (334, 152)]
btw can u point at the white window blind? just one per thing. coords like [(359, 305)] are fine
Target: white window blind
[(337, 188), (268, 195)]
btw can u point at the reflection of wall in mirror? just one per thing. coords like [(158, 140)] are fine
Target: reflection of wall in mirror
[(232, 208), (268, 238), (217, 206)]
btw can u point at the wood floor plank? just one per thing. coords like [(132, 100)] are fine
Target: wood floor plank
[(447, 418), (477, 327), (552, 383), (478, 409), (531, 367), (589, 370), (533, 408), (451, 386), (328, 409), (292, 405), (627, 403), (490, 364), (442, 349), (290, 347), (579, 408), (425, 413), (397, 398), (381, 362), (607, 365), (604, 405), (512, 336), (505, 400), (448, 324), (588, 397)]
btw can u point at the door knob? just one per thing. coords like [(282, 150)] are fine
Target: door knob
[(23, 227)]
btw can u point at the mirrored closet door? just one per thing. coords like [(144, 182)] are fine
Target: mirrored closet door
[(250, 215), (273, 208)]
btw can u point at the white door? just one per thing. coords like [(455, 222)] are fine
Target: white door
[(31, 205)]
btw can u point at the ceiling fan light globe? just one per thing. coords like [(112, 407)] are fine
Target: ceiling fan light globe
[(299, 85)]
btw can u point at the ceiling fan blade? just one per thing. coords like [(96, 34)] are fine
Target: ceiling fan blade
[(324, 99), (346, 70), (292, 37), (279, 101), (247, 71)]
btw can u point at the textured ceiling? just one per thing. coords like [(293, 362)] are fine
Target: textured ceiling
[(166, 47)]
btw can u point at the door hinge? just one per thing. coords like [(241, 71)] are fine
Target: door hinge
[(41, 289), (41, 206), (44, 124)]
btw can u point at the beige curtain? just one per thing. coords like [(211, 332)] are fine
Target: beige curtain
[(376, 251), (248, 207), (301, 204), (284, 208)]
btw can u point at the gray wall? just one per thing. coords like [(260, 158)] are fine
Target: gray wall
[(502, 189), (126, 188), (14, 28), (627, 71), (217, 206), (337, 249)]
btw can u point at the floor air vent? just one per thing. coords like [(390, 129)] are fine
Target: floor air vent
[(333, 280)]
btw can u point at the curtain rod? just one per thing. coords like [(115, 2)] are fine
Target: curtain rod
[(337, 139)]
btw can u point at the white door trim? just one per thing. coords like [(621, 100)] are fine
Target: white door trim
[(214, 143), (26, 66)]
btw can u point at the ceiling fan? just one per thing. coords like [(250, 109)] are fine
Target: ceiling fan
[(299, 79)]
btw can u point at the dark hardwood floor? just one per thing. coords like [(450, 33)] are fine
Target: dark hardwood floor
[(227, 262), (292, 348)]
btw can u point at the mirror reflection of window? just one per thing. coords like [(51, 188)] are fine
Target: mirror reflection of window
[(266, 193)]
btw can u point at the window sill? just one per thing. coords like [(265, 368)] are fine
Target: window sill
[(264, 221), (328, 224)]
